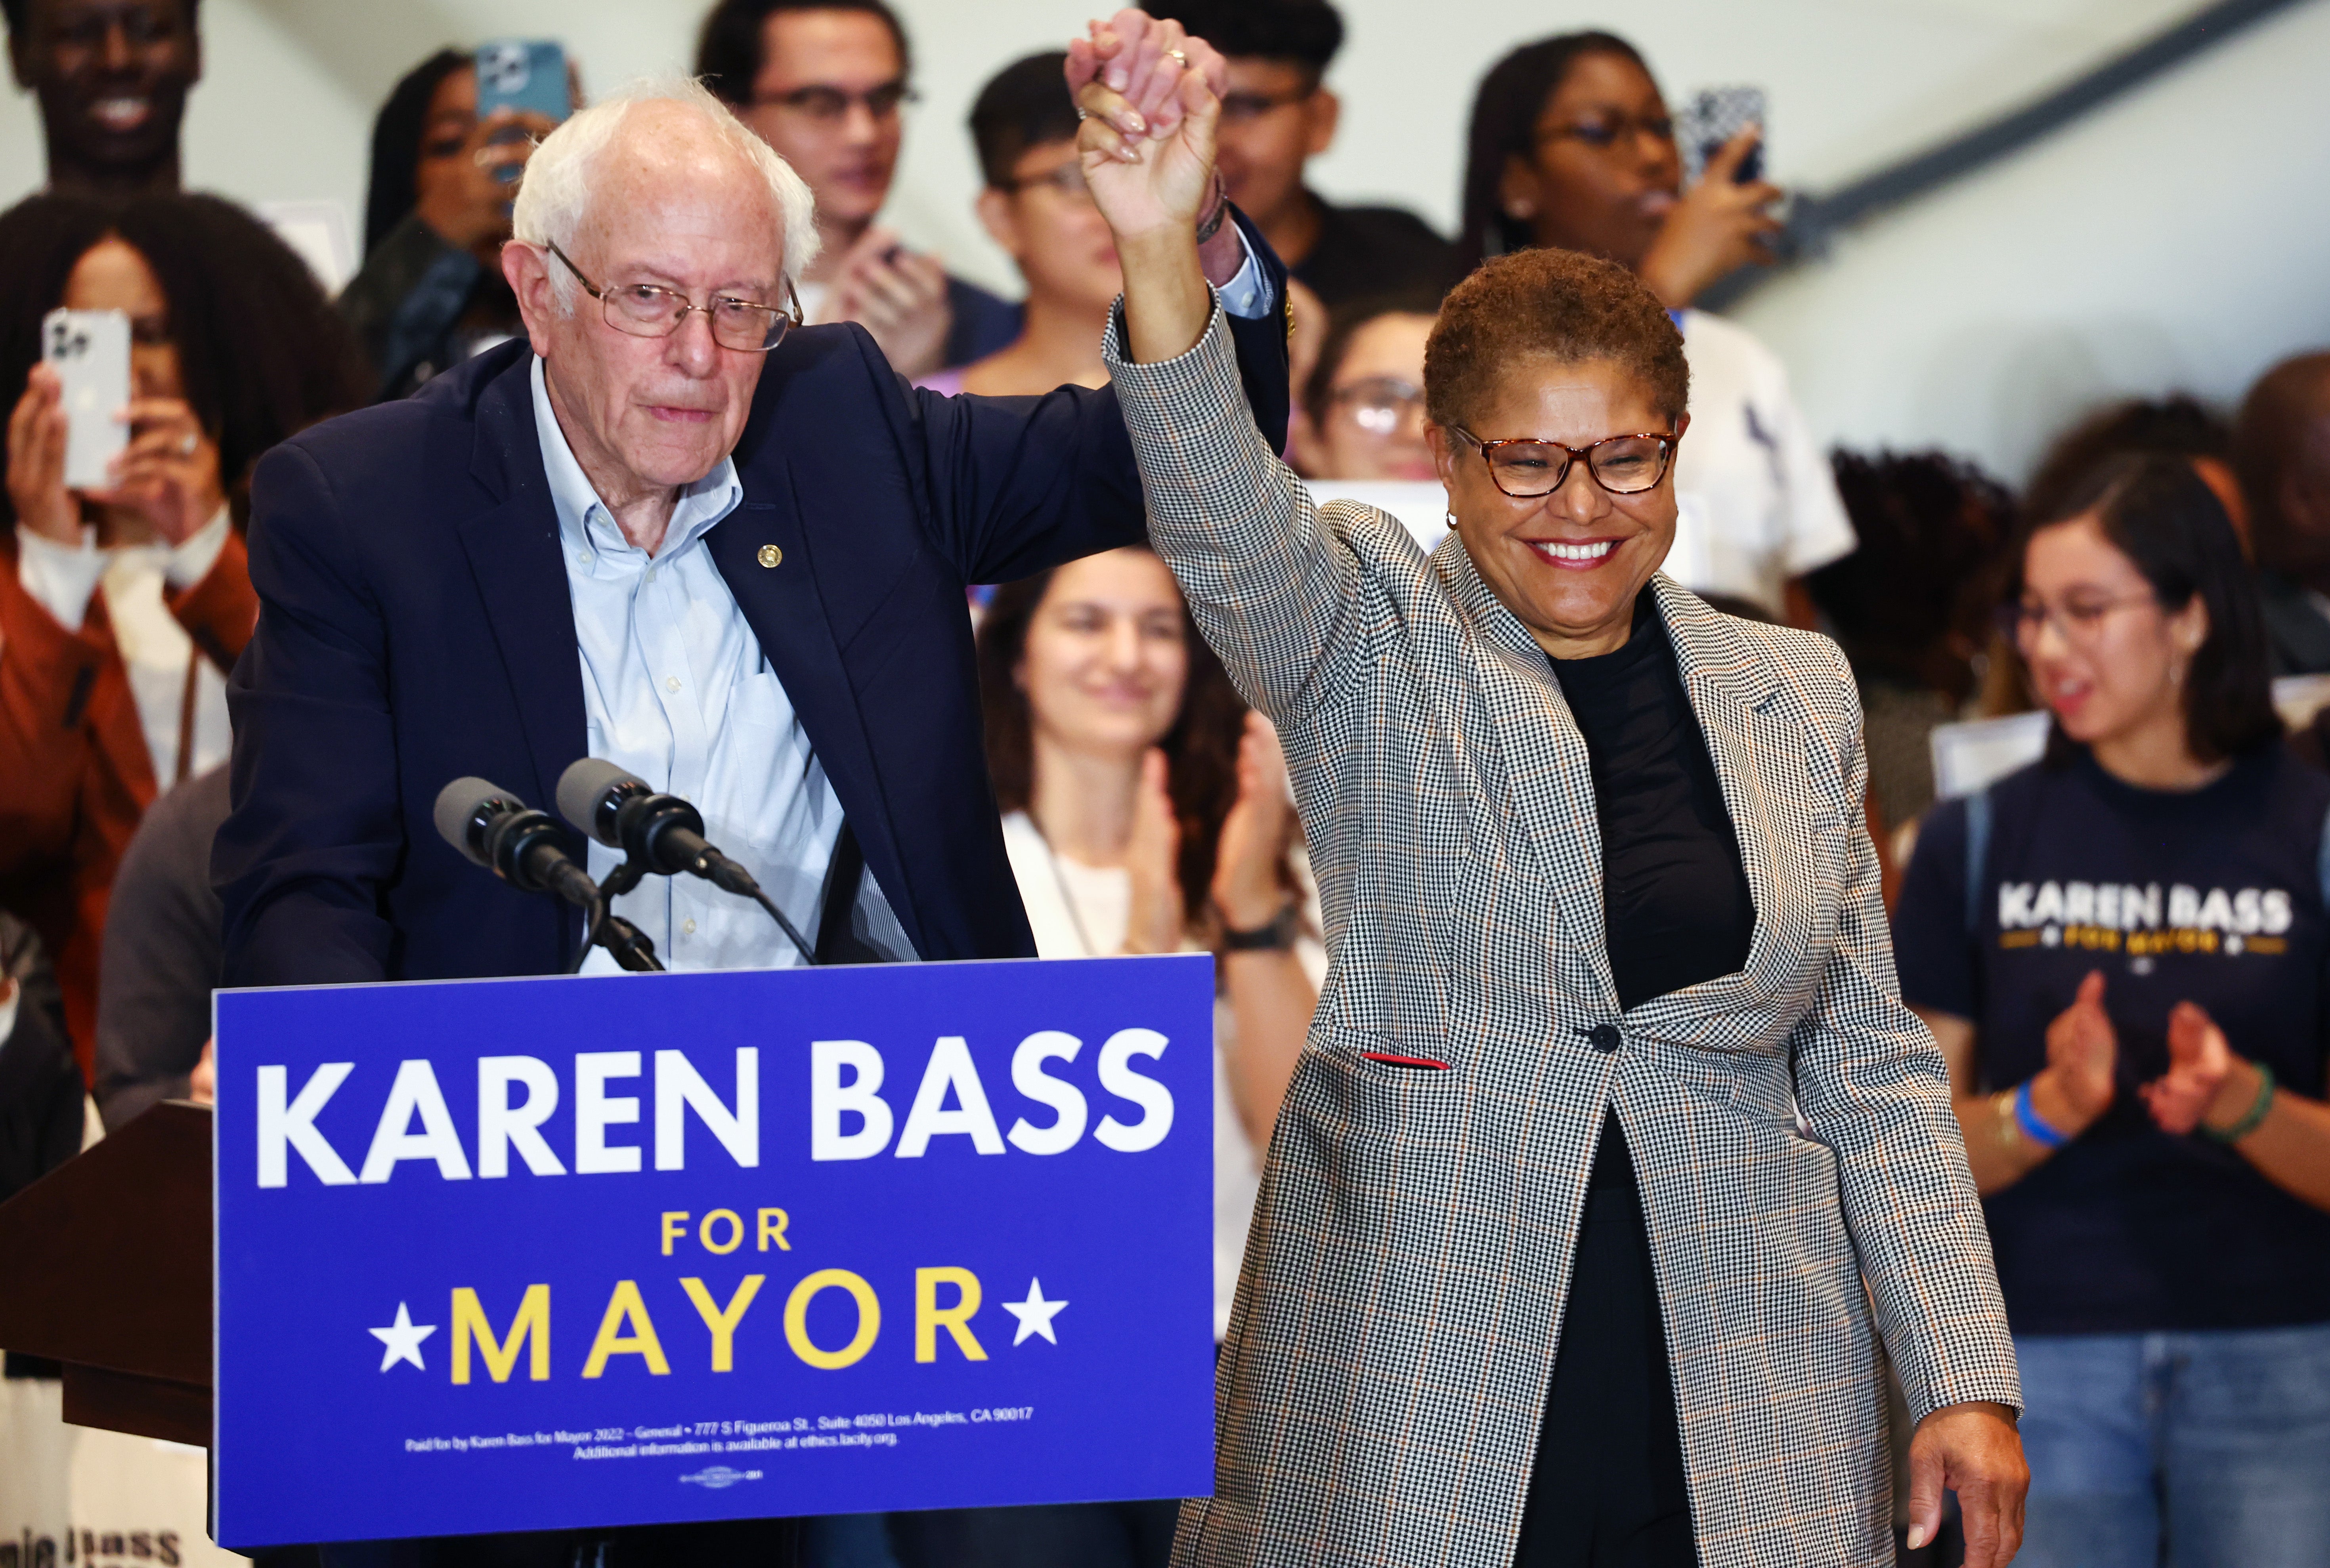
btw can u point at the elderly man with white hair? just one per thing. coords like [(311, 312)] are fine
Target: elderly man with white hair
[(673, 529)]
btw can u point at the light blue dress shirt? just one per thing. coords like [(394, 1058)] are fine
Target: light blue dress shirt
[(676, 690)]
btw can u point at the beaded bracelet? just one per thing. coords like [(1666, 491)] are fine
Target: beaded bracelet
[(2034, 1126), (2256, 1113)]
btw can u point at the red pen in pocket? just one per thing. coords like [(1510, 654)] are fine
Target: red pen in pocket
[(1389, 1060)]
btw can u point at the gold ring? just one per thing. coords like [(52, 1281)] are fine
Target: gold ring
[(1175, 55)]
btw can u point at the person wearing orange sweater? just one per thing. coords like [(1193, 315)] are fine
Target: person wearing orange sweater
[(121, 610)]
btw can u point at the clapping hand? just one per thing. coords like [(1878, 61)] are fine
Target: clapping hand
[(2082, 1047), (2199, 1062), (1152, 862), (899, 296), (1254, 835), (1152, 95)]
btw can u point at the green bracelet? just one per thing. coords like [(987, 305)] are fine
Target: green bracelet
[(2256, 1113)]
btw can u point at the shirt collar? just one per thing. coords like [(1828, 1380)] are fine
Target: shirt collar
[(585, 526)]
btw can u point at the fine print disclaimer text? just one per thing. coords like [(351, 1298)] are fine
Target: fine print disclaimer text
[(681, 1440)]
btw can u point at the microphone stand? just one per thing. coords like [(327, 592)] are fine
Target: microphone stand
[(632, 947)]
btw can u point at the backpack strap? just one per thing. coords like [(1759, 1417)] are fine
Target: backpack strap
[(1977, 854)]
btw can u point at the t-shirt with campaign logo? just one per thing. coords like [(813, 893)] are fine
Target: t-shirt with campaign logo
[(2214, 896)]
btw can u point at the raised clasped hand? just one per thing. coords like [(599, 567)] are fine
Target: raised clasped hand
[(1152, 98)]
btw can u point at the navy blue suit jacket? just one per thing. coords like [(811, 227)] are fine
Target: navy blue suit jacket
[(415, 627)]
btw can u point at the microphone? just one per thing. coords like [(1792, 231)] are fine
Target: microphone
[(498, 831), (659, 832)]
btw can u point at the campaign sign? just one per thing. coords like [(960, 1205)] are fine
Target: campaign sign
[(524, 1254)]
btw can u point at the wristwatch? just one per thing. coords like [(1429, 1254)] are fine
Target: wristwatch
[(1278, 935)]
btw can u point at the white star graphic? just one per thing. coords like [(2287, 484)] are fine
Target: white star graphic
[(1035, 1314), (403, 1338)]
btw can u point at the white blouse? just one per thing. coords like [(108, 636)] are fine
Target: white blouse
[(1081, 911)]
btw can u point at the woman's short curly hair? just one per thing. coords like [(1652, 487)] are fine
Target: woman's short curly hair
[(1553, 305)]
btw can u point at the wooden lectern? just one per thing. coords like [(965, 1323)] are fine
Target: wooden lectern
[(111, 1254)]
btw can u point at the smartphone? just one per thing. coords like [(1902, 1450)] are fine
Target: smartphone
[(1712, 118), (527, 74), (90, 352)]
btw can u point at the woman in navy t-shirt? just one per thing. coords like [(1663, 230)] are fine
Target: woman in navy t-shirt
[(2124, 953)]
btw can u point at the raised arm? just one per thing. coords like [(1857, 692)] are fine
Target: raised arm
[(1273, 591), (1017, 485)]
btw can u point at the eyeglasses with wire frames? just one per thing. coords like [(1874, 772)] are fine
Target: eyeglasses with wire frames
[(1066, 180), (1528, 467), (650, 310), (831, 105), (2078, 621), (1378, 404), (1246, 107)]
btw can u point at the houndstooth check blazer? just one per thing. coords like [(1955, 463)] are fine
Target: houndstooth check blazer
[(1400, 1310)]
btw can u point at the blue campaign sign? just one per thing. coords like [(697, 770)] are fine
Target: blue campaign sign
[(522, 1255)]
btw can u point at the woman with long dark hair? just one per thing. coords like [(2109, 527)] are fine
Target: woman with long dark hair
[(122, 608), (1145, 811), (430, 291), (1571, 146), (2122, 951)]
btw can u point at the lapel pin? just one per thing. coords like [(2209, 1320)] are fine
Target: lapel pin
[(770, 555)]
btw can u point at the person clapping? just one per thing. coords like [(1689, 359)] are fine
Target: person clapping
[(2121, 949)]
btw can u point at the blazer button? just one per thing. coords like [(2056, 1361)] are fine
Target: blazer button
[(770, 555), (1603, 1037)]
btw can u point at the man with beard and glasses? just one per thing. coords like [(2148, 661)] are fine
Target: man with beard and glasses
[(112, 78)]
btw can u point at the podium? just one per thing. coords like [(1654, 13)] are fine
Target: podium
[(111, 1254)]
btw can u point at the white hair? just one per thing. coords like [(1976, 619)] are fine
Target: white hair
[(556, 194)]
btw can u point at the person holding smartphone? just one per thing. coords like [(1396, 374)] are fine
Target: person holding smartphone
[(431, 292), (122, 608), (1572, 145), (826, 82)]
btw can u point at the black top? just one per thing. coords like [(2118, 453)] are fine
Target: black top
[(2214, 896), (1676, 907), (1368, 250)]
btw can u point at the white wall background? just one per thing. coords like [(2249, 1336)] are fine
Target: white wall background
[(2180, 239)]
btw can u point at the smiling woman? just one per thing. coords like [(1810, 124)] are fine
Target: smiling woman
[(1607, 960)]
